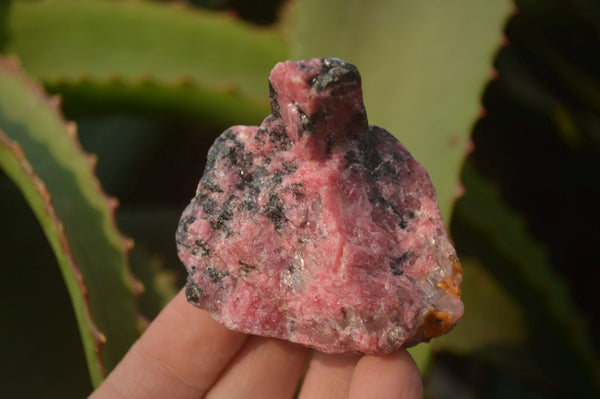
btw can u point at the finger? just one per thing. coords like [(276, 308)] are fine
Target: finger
[(264, 368), (180, 355), (392, 376), (328, 376)]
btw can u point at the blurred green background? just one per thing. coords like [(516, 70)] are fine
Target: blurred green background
[(499, 100)]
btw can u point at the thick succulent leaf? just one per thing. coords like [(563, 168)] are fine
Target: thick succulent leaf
[(40, 153), (163, 57), (486, 227), (14, 163), (213, 107), (573, 76), (492, 316), (424, 65), (575, 121), (39, 338)]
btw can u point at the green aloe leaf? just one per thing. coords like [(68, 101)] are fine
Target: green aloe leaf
[(39, 339), (487, 228), (212, 107), (147, 57), (40, 153), (424, 65)]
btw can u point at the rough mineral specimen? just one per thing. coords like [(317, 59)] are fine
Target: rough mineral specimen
[(318, 228)]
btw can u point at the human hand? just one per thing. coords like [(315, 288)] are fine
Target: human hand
[(184, 353)]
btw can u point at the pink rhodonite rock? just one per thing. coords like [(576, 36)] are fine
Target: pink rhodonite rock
[(317, 228)]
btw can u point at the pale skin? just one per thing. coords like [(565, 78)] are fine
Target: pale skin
[(185, 354)]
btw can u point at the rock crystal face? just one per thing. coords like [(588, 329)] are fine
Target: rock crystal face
[(317, 228)]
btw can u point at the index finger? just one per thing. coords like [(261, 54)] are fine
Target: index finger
[(180, 355)]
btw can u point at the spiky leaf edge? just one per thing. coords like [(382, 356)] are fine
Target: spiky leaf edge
[(502, 241), (14, 162), (230, 87), (16, 166)]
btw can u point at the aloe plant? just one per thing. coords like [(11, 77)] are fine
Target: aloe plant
[(147, 82), (41, 155), (424, 67), (499, 239), (416, 83), (150, 58)]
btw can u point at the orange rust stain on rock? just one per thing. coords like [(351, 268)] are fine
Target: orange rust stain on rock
[(436, 323), (456, 267), (452, 284)]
